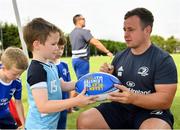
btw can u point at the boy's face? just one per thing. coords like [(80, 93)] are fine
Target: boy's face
[(61, 50), (12, 73), (59, 53), (50, 48)]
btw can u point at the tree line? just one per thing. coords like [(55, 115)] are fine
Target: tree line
[(10, 37)]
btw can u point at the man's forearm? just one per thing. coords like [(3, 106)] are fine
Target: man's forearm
[(151, 101)]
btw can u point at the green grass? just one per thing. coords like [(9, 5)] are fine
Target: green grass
[(95, 63), (176, 104)]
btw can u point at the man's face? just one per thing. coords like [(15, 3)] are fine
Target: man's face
[(134, 34), (81, 21)]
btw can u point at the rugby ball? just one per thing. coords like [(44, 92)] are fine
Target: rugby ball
[(97, 84)]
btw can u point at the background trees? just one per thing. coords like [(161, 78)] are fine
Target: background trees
[(10, 37)]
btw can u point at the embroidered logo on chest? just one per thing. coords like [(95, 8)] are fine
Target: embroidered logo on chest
[(143, 71), (4, 100), (120, 71)]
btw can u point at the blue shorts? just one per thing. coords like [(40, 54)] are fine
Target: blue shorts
[(62, 120), (8, 122), (119, 117), (63, 116), (81, 67)]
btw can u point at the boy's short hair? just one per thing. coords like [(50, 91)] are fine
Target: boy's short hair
[(62, 39), (38, 29), (14, 56)]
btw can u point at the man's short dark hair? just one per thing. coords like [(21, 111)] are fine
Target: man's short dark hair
[(145, 16), (75, 18)]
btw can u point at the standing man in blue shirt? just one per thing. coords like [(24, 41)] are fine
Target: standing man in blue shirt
[(80, 41)]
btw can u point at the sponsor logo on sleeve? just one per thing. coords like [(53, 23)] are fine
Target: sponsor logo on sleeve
[(64, 72), (12, 91)]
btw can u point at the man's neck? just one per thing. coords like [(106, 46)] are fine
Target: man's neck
[(141, 49), (78, 26)]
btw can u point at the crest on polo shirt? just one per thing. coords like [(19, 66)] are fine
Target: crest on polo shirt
[(120, 71), (143, 71)]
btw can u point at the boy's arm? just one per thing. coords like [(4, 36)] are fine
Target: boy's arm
[(20, 111), (67, 86), (44, 105)]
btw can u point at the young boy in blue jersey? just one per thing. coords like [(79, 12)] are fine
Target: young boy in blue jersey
[(14, 62), (63, 72), (43, 83)]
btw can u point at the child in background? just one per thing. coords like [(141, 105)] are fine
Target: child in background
[(12, 107), (63, 72), (43, 84), (14, 62)]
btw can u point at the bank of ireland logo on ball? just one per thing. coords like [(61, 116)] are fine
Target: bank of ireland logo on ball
[(97, 84)]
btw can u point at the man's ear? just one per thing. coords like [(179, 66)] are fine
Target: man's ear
[(36, 44), (148, 29)]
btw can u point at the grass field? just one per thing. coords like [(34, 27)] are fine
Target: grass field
[(95, 63)]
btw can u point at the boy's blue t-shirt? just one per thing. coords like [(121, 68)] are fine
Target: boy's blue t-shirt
[(7, 90), (63, 72), (41, 75)]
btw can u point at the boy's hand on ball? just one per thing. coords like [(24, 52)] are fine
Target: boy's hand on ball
[(84, 100)]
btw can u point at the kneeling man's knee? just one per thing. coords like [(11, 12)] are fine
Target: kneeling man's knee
[(83, 121)]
